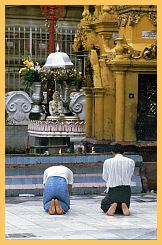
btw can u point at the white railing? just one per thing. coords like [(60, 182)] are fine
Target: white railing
[(23, 41)]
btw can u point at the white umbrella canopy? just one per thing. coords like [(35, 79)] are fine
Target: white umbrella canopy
[(58, 60)]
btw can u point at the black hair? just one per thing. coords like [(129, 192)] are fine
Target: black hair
[(117, 148)]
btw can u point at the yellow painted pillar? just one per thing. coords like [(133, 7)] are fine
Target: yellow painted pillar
[(89, 111), (120, 106), (99, 113), (93, 115)]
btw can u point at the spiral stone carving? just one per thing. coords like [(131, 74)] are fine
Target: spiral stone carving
[(25, 107), (77, 108), (18, 106), (11, 107), (77, 104)]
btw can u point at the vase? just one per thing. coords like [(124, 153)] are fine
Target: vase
[(37, 98), (119, 48)]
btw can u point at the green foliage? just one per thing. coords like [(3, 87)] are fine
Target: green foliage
[(30, 76), (71, 76), (34, 73)]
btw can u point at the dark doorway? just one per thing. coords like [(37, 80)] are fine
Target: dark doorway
[(146, 127)]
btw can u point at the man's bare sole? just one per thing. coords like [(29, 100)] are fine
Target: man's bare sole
[(112, 209), (125, 209), (59, 209), (52, 207)]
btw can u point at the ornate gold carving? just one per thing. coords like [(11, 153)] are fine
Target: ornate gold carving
[(107, 14), (107, 77), (78, 38), (129, 52), (105, 44), (95, 30), (153, 17), (87, 38), (150, 53), (85, 11), (91, 41), (96, 69), (122, 20), (97, 12), (135, 17), (123, 50), (134, 13), (87, 17), (107, 9)]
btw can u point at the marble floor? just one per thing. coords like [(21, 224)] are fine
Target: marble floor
[(25, 219)]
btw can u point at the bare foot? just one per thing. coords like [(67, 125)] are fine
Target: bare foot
[(125, 209), (52, 207), (59, 209), (112, 209)]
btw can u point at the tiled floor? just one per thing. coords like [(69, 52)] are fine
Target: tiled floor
[(26, 219)]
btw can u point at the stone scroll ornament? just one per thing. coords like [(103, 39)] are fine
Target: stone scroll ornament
[(77, 104), (18, 106)]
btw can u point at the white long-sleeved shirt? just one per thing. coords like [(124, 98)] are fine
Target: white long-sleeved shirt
[(118, 171), (60, 171)]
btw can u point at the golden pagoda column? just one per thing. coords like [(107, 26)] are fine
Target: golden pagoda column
[(120, 107), (99, 113), (119, 65), (89, 111), (120, 88)]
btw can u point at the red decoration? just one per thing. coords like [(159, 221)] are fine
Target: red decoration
[(51, 13)]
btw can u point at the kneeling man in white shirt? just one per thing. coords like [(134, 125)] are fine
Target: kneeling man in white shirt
[(117, 172)]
